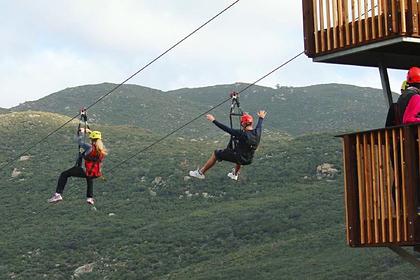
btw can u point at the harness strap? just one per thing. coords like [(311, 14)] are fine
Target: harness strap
[(83, 119), (92, 167), (235, 111), (95, 161)]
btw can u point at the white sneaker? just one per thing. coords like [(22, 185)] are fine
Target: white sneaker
[(232, 175), (90, 201), (56, 197), (197, 174)]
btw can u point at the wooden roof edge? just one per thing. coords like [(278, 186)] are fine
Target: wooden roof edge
[(376, 129)]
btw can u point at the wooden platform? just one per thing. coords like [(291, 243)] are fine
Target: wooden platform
[(363, 32), (381, 167), (382, 181)]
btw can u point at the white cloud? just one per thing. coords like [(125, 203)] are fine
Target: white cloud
[(59, 70), (56, 44)]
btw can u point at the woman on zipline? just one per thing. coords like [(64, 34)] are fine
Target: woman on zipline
[(245, 142), (93, 154)]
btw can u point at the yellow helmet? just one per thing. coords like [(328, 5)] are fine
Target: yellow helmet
[(404, 85), (94, 135)]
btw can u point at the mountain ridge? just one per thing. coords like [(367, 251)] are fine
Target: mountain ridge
[(294, 110)]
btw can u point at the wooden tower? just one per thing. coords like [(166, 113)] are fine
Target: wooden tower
[(381, 167)]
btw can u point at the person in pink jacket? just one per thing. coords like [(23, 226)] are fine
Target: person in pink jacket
[(409, 104), (409, 101)]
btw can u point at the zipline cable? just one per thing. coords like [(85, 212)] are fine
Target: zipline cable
[(202, 114), (179, 128), (119, 85)]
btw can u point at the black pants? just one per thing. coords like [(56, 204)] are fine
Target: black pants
[(75, 171), (226, 155)]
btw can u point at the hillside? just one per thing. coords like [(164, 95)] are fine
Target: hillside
[(294, 110), (302, 110), (129, 105), (2, 110), (278, 222)]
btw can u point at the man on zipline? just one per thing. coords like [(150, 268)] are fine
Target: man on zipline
[(245, 142)]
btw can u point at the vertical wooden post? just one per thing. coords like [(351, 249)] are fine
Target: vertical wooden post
[(411, 177), (373, 22), (394, 16), (328, 7), (416, 194), (351, 191), (366, 19), (374, 187), (389, 185), (382, 186), (380, 19), (403, 185), (308, 27), (346, 21), (368, 187), (361, 188), (340, 23), (335, 24), (397, 174), (418, 27), (353, 22), (413, 12), (359, 21), (321, 25), (389, 25), (316, 31), (403, 18), (386, 17)]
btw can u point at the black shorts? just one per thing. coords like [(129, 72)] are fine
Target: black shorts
[(226, 155)]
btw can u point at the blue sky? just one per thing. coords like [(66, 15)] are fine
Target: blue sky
[(51, 45)]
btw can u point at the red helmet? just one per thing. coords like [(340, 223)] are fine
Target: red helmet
[(246, 119), (413, 75)]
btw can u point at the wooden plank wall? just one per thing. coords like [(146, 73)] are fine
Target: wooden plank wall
[(351, 199), (382, 177), (340, 24)]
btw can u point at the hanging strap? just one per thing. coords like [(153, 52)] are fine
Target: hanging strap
[(235, 111), (83, 120)]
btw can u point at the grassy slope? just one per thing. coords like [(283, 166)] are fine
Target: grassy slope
[(273, 224)]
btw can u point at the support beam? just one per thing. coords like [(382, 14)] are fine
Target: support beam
[(385, 84), (406, 256), (398, 53)]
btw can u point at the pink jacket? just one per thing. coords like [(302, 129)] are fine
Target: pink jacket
[(413, 108)]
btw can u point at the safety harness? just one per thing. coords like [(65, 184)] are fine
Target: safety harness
[(235, 111), (244, 150), (93, 164), (83, 121), (92, 160)]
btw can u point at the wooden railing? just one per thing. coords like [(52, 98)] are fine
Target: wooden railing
[(381, 186), (331, 25)]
